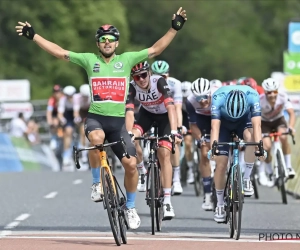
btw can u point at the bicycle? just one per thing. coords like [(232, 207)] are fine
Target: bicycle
[(278, 162), (113, 203), (234, 190), (154, 198)]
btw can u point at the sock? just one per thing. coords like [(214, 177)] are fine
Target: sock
[(268, 168), (248, 170), (261, 167), (167, 195), (96, 175), (242, 161), (207, 184), (220, 197), (287, 159), (141, 168), (67, 153), (130, 203), (190, 164), (176, 174)]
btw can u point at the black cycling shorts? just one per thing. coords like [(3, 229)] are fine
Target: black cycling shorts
[(114, 128)]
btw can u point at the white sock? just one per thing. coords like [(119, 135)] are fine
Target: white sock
[(220, 197), (248, 170), (261, 167), (268, 168), (176, 174), (242, 161), (141, 168), (287, 159), (190, 164), (167, 195)]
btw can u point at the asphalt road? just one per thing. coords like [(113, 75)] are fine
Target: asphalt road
[(47, 203)]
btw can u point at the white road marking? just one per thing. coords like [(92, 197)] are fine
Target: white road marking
[(5, 233), (12, 225), (50, 195), (22, 217), (78, 181)]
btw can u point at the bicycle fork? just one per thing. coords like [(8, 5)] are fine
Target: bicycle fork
[(276, 148)]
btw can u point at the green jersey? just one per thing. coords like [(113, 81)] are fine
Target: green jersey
[(109, 82)]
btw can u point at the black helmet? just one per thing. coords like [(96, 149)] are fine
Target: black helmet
[(107, 29)]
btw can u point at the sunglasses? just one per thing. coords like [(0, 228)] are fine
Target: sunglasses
[(270, 92), (110, 38), (202, 98), (138, 77)]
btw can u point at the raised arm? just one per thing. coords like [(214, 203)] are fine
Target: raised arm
[(26, 30)]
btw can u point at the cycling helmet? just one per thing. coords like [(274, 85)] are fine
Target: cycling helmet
[(216, 83), (57, 88), (69, 90), (140, 67), (200, 87), (84, 90), (107, 29), (270, 84), (236, 104), (240, 81), (250, 82), (160, 67), (186, 88)]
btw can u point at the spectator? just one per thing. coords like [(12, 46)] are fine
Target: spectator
[(18, 127), (33, 132)]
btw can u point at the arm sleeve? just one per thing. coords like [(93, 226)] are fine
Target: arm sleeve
[(255, 108), (130, 98), (192, 116), (216, 103), (79, 58), (164, 89), (136, 57), (287, 103)]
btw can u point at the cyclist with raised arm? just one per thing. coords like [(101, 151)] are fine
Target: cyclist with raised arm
[(273, 103), (108, 75), (51, 114), (234, 108), (198, 106), (162, 68), (188, 138), (157, 105)]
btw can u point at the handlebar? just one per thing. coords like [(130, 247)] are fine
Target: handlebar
[(237, 144), (100, 147), (274, 134), (155, 138)]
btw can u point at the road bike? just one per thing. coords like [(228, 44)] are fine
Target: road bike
[(113, 202), (234, 190)]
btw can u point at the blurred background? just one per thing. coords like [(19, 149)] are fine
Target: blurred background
[(222, 39)]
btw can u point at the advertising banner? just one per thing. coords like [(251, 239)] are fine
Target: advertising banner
[(294, 37), (291, 63)]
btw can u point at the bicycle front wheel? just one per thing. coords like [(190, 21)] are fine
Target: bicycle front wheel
[(254, 182), (281, 177), (159, 201), (152, 197), (111, 205)]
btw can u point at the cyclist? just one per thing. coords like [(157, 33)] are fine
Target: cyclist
[(188, 139), (68, 115), (84, 101), (51, 114), (273, 103), (251, 83), (162, 68), (198, 107), (234, 108), (157, 105), (108, 74)]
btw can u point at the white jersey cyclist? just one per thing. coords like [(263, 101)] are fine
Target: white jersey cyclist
[(175, 88), (153, 100), (192, 99), (269, 113)]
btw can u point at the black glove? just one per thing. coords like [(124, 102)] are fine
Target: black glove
[(178, 22), (28, 32)]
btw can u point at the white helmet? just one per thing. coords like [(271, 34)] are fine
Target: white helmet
[(216, 83), (270, 84), (200, 87), (84, 90), (69, 90), (186, 88)]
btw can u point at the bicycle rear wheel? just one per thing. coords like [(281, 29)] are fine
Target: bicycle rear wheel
[(123, 222), (110, 200), (281, 177), (152, 197)]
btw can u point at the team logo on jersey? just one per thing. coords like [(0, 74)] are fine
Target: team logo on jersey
[(118, 65), (96, 68)]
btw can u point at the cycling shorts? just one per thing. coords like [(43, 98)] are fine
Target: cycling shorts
[(114, 128), (267, 127)]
